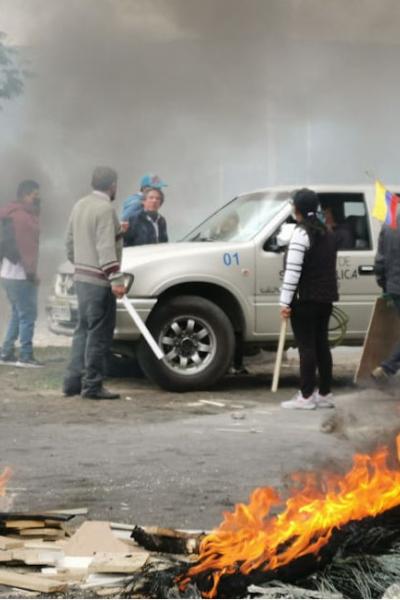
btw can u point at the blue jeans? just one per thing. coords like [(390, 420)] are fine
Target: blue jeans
[(22, 295), (392, 364)]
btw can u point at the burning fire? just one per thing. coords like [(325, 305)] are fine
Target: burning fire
[(4, 477), (250, 538)]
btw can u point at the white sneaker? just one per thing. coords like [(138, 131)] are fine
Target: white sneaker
[(300, 403), (324, 401)]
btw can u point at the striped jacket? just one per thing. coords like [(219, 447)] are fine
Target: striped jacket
[(94, 240), (310, 270)]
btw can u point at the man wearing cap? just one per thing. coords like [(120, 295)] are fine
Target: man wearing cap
[(94, 246), (133, 204)]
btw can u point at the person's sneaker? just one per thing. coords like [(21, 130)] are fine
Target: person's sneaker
[(324, 401), (300, 403), (31, 363), (9, 359), (380, 375)]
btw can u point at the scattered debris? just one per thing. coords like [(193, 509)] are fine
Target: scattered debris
[(93, 537), (392, 592), (277, 589), (213, 403), (39, 553), (238, 416), (236, 430), (172, 541), (37, 583)]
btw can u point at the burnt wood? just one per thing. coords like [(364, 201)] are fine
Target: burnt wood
[(369, 536), (158, 539)]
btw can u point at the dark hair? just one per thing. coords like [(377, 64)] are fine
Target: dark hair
[(306, 202), (103, 178), (337, 210), (26, 187), (154, 189)]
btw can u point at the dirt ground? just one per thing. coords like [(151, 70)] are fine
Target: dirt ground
[(154, 457)]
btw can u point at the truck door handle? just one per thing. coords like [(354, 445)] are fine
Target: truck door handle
[(366, 270)]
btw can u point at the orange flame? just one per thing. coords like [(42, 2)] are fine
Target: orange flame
[(4, 477), (250, 538)]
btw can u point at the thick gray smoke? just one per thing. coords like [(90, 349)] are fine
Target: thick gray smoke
[(216, 96)]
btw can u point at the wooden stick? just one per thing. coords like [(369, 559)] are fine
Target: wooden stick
[(279, 356), (34, 582)]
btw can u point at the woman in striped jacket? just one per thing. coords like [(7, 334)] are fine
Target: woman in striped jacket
[(308, 291)]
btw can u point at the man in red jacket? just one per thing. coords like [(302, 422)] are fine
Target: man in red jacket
[(19, 251)]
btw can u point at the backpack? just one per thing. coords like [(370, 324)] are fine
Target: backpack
[(8, 243)]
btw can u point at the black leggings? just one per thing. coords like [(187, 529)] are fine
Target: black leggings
[(310, 327)]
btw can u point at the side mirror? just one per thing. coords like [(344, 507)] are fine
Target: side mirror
[(128, 281)]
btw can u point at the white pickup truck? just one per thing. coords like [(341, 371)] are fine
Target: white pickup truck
[(218, 288)]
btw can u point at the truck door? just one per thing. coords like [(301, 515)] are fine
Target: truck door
[(355, 262), (269, 274), (355, 267)]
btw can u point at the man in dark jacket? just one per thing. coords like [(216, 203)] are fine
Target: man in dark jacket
[(387, 271), (19, 251), (148, 226)]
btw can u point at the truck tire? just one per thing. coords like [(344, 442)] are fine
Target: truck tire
[(198, 342)]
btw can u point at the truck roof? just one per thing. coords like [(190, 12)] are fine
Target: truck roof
[(333, 188)]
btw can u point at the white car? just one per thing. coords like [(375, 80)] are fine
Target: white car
[(217, 290)]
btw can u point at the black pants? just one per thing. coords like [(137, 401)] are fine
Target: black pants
[(92, 338), (392, 363), (310, 327)]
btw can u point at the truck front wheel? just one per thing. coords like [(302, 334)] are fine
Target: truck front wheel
[(197, 339)]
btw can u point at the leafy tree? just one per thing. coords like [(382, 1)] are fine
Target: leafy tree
[(11, 73)]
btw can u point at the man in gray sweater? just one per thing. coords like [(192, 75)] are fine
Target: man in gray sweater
[(94, 246)]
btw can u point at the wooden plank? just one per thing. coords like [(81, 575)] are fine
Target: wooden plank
[(7, 543), (101, 580), (382, 336), (75, 563), (5, 555), (53, 523), (93, 537), (37, 557), (44, 531), (69, 512), (37, 583), (24, 524), (104, 562), (122, 526), (20, 516), (69, 576), (44, 545)]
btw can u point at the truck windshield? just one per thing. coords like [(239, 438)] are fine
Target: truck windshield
[(241, 219)]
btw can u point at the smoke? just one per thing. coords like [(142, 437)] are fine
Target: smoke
[(217, 97)]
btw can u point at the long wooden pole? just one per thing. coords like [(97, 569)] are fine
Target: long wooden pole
[(279, 356), (142, 328)]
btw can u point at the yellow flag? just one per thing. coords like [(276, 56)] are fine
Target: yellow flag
[(380, 207)]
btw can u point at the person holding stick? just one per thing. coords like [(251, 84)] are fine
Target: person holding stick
[(94, 246), (308, 291)]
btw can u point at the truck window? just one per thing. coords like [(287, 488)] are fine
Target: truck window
[(346, 214)]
